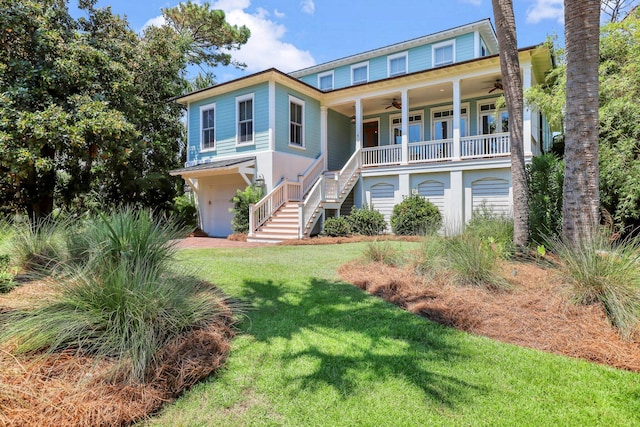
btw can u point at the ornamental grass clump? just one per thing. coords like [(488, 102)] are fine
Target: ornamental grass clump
[(39, 245), (473, 262), (607, 273), (119, 299), (383, 252)]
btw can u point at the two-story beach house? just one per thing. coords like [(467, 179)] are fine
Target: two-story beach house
[(418, 116)]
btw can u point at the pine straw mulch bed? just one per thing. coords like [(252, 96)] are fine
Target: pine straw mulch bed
[(537, 312), (67, 390)]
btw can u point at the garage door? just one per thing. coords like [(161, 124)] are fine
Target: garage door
[(434, 192), (493, 194), (383, 199)]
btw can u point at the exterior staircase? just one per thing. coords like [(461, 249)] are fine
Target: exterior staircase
[(282, 225)]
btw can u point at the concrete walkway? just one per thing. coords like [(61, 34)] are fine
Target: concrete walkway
[(214, 242)]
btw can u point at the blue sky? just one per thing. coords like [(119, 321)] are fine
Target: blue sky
[(294, 34)]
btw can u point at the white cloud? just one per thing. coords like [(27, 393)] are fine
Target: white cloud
[(278, 14), (265, 48), (158, 21), (473, 2), (545, 9), (308, 6)]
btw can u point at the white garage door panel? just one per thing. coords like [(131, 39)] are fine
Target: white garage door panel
[(383, 199), (434, 192), (492, 193)]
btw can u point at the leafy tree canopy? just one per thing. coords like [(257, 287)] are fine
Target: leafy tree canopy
[(85, 101), (619, 140)]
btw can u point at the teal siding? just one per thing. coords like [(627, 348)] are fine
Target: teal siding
[(420, 58), (342, 77), (311, 79), (312, 145), (378, 68), (225, 125), (341, 140), (464, 47)]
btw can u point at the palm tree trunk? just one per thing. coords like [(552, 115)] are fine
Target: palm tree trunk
[(581, 197), (512, 84)]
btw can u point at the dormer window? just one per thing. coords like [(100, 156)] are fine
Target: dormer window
[(444, 53), (397, 64), (325, 81), (483, 48), (360, 73)]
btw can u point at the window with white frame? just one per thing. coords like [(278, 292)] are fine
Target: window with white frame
[(325, 81), (415, 128), (360, 73), (444, 53), (208, 127), (296, 122), (397, 64), (245, 119), (483, 48), (493, 120), (442, 123)]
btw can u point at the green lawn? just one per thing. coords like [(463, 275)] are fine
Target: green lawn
[(314, 351)]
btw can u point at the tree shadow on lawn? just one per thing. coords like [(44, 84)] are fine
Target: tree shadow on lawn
[(360, 336)]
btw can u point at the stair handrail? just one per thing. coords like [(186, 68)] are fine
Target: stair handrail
[(348, 170), (309, 205), (283, 192)]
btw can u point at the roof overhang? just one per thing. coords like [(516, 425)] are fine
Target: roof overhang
[(242, 165)]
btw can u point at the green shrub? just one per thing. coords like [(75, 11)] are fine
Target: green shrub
[(494, 230), (545, 177), (605, 273), (122, 298), (366, 221), (241, 201), (336, 227), (383, 252), (473, 262), (415, 215), (185, 211)]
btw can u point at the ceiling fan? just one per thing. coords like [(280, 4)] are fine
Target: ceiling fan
[(395, 104), (497, 85)]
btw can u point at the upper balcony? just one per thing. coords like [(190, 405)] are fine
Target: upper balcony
[(471, 147)]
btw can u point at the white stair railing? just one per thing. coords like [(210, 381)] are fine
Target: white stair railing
[(284, 192)]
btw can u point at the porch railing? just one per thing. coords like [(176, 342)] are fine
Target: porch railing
[(336, 184), (485, 145), (284, 192), (383, 155), (430, 151), (471, 147)]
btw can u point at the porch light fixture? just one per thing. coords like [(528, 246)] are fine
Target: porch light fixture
[(353, 119)]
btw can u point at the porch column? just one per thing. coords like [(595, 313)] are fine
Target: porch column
[(526, 112), (324, 140), (405, 127), (456, 120), (358, 124)]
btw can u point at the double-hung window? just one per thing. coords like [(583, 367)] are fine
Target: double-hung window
[(325, 81), (415, 128), (208, 127), (397, 64), (360, 73), (245, 119), (296, 122), (444, 53)]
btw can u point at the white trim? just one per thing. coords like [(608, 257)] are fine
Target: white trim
[(240, 99), (483, 45), (326, 74), (495, 112), (203, 108), (440, 45), (360, 65), (371, 120), (301, 103), (272, 115), (390, 58)]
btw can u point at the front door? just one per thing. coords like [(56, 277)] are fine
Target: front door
[(370, 134)]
